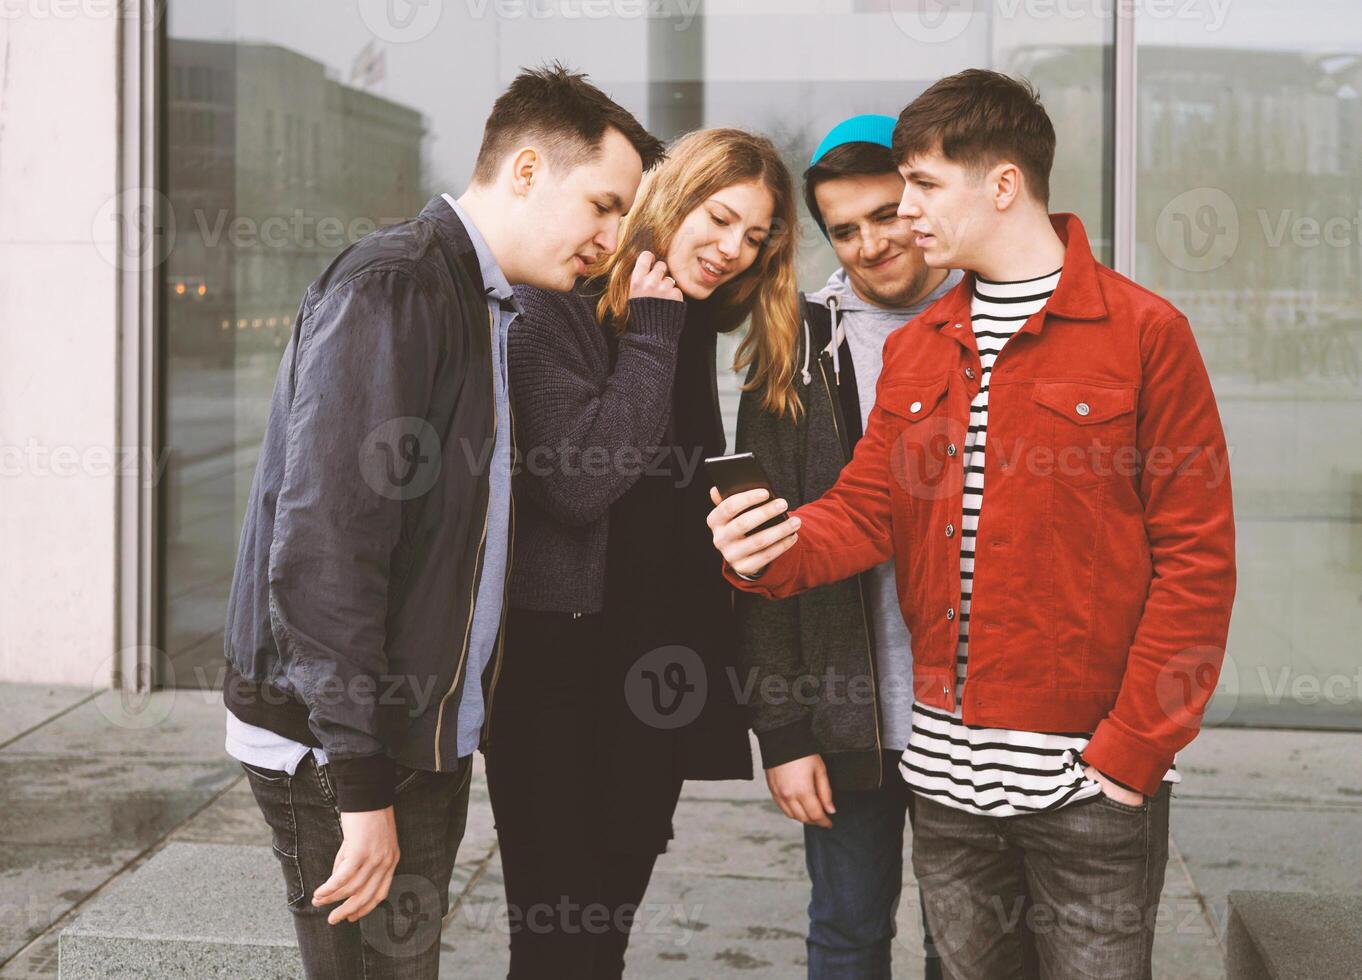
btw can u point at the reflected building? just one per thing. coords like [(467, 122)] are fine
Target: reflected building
[(1281, 134), (273, 166)]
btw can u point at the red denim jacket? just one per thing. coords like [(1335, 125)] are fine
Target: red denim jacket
[(1104, 568)]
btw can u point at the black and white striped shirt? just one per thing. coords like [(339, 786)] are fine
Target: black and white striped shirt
[(992, 771)]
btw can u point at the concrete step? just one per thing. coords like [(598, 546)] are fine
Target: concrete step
[(192, 911), (1293, 936)]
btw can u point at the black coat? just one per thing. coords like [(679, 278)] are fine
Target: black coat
[(669, 612)]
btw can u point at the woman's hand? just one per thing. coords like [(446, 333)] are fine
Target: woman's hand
[(650, 280)]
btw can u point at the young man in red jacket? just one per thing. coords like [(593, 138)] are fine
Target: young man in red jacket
[(1046, 465)]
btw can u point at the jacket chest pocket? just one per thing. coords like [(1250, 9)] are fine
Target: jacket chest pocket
[(925, 444), (1087, 429)]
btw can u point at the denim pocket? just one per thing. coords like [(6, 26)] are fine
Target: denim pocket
[(1120, 807), (268, 775), (273, 791)]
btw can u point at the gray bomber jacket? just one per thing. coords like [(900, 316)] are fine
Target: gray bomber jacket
[(350, 610)]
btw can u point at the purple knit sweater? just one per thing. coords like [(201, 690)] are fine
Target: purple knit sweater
[(583, 433)]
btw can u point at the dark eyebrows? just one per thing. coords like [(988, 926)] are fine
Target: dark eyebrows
[(849, 226)]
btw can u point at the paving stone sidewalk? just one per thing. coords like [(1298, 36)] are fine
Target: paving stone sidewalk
[(92, 785)]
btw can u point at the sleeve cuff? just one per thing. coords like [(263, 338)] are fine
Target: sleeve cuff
[(772, 582), (1125, 759), (365, 783), (788, 742), (1110, 779), (663, 319)]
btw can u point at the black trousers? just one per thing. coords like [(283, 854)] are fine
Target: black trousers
[(571, 896)]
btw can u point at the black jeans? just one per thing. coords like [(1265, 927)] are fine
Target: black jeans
[(1093, 871), (400, 938), (572, 898)]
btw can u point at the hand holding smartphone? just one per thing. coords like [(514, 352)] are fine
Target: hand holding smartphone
[(751, 527), (739, 473)]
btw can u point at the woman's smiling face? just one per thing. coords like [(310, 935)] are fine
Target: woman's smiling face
[(720, 239)]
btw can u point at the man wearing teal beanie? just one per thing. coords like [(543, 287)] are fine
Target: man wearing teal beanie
[(831, 764)]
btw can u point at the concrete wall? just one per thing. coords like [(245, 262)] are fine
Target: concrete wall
[(58, 339)]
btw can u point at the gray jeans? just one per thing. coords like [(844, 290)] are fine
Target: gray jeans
[(1093, 871), (400, 938)]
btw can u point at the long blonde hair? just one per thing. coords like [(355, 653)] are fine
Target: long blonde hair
[(698, 165)]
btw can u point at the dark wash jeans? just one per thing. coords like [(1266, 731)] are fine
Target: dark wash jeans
[(400, 938), (856, 869), (1093, 872)]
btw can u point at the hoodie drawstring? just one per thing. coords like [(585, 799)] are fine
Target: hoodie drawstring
[(836, 347)]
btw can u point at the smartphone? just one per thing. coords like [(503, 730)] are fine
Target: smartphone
[(739, 473)]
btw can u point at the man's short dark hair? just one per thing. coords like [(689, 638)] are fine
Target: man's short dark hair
[(978, 118), (847, 160), (564, 115)]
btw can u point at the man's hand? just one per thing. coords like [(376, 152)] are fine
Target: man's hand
[(802, 791), (364, 865), (650, 279), (1118, 793), (730, 520)]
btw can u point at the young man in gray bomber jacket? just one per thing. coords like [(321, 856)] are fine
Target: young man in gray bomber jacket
[(363, 633), (832, 698)]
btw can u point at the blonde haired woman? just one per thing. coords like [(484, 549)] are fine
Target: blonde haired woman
[(616, 683)]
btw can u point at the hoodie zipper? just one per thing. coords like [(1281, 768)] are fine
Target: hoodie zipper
[(838, 423), (473, 588)]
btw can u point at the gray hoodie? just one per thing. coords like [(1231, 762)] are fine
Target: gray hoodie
[(865, 327)]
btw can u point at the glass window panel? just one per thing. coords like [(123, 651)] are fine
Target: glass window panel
[(1250, 181), (292, 129)]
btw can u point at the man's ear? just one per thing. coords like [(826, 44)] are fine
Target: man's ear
[(1005, 181), (527, 166)]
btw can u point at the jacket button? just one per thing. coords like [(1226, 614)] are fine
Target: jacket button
[(950, 614), (957, 326), (1082, 408), (951, 450), (950, 530), (969, 373), (917, 407)]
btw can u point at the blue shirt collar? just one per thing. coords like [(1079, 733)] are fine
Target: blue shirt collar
[(493, 279)]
